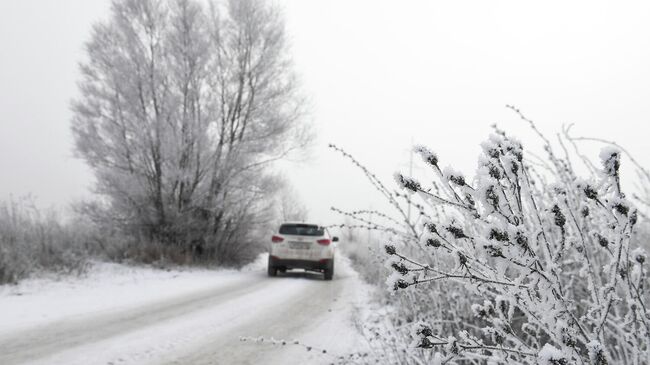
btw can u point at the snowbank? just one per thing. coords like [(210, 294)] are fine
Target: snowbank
[(106, 287)]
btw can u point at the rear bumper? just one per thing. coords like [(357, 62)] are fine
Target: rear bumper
[(299, 264)]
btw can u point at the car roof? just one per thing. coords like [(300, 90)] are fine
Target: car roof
[(307, 223)]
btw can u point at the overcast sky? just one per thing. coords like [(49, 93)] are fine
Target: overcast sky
[(380, 74)]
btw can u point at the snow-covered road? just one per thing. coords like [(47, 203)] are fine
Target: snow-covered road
[(123, 315)]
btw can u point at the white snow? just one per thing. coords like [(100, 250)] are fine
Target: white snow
[(229, 304), (427, 155), (549, 354), (450, 173), (610, 157), (106, 287)]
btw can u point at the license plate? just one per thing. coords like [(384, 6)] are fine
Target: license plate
[(299, 245)]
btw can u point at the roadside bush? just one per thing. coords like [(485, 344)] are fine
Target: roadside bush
[(34, 241), (362, 248), (526, 263), (239, 243)]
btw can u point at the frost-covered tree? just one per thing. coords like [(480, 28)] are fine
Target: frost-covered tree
[(526, 263), (290, 206), (182, 107)]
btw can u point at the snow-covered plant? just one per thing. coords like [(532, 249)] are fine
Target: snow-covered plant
[(183, 105), (389, 330), (641, 193), (34, 240), (641, 196), (537, 263)]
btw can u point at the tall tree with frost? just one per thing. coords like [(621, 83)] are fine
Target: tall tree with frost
[(181, 108)]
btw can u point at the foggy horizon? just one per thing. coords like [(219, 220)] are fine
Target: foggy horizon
[(374, 72)]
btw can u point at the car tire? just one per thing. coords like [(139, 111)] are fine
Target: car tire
[(272, 271), (329, 271)]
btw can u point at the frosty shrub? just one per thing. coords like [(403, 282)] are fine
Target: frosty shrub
[(441, 304), (525, 263), (33, 241), (362, 246), (642, 194)]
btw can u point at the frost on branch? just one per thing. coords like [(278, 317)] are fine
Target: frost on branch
[(526, 263), (610, 157), (550, 265), (407, 182), (426, 154), (550, 355)]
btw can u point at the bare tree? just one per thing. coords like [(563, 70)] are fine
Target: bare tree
[(182, 109), (290, 205)]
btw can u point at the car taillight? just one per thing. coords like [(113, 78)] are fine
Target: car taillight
[(324, 242), (276, 239)]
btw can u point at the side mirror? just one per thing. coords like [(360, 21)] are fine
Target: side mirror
[(335, 239)]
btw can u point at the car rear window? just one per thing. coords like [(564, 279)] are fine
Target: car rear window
[(302, 230)]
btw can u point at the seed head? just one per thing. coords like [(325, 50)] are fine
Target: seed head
[(640, 258), (602, 241), (621, 208), (400, 284), (560, 219), (590, 192), (400, 268), (457, 232), (426, 154), (407, 182), (431, 227), (501, 236), (390, 249)]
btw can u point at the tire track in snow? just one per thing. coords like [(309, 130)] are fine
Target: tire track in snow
[(202, 327), (296, 315), (43, 341)]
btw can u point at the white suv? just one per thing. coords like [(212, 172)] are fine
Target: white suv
[(302, 246)]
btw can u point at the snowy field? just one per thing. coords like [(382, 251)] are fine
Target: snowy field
[(125, 315)]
